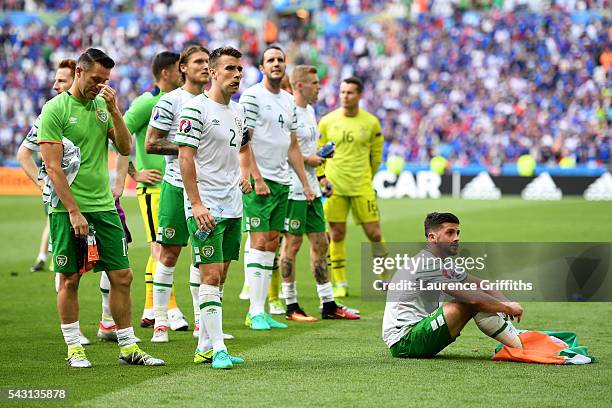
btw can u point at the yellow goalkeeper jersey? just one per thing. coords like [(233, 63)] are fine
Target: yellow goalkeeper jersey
[(359, 145)]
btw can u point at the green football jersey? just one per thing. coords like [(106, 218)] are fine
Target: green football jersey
[(87, 124), (137, 121)]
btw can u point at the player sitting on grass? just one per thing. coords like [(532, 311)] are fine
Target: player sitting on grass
[(416, 325)]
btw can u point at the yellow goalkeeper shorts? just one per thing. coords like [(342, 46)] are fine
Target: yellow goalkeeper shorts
[(364, 208), (148, 200)]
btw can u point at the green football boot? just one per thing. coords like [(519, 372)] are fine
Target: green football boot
[(257, 322), (273, 323)]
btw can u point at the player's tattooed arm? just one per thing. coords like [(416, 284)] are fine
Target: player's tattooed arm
[(150, 176), (156, 142), (131, 169)]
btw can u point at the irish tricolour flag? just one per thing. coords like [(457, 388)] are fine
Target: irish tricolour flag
[(545, 348)]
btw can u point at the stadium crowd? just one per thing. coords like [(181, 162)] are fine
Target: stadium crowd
[(474, 87)]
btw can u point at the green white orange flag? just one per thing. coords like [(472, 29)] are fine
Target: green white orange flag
[(545, 348)]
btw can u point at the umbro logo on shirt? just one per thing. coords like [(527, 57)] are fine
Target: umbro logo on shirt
[(215, 122)]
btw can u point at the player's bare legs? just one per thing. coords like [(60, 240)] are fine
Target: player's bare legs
[(120, 299), (337, 231), (372, 231), (68, 298), (457, 315), (265, 241), (168, 254), (290, 247), (318, 252)]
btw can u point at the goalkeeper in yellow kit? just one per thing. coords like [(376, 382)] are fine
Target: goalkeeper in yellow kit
[(358, 154)]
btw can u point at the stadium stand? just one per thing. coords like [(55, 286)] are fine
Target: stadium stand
[(478, 87)]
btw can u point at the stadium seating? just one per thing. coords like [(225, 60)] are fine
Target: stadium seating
[(476, 87)]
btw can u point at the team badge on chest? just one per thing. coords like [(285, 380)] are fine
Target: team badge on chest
[(102, 115)]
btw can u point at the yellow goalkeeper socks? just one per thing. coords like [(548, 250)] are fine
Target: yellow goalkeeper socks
[(149, 271), (172, 304), (275, 283), (337, 254)]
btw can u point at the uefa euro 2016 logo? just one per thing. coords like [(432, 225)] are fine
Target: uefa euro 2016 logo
[(185, 126)]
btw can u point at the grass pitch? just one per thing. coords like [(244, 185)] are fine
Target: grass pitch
[(322, 364)]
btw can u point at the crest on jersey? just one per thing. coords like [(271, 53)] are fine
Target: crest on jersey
[(102, 115), (255, 222), (61, 260), (208, 251), (294, 224), (155, 114), (169, 233), (185, 126)]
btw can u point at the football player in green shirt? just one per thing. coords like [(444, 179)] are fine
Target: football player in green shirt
[(88, 116)]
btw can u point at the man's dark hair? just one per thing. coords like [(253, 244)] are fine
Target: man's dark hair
[(219, 52), (434, 220), (163, 60), (92, 56), (268, 48), (354, 81), (187, 53)]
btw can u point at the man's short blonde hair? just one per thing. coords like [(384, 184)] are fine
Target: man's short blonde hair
[(300, 72)]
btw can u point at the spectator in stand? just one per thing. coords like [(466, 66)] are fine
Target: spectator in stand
[(481, 87)]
